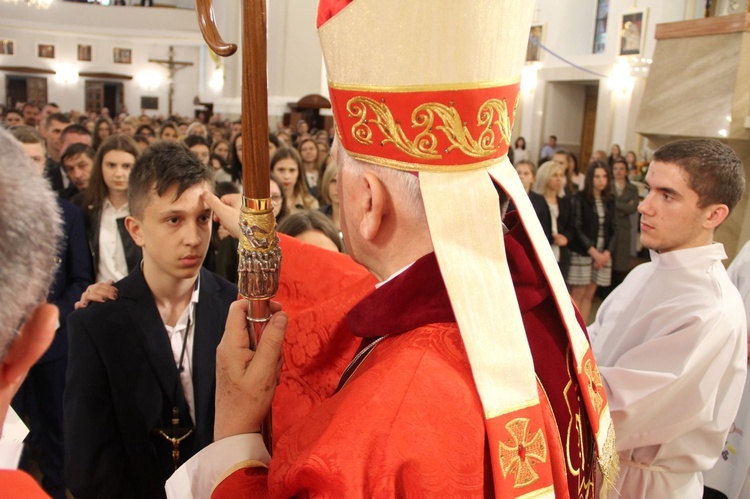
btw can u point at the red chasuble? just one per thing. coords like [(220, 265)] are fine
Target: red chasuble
[(317, 288), (408, 421), (17, 484)]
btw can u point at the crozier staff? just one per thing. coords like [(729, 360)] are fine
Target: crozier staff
[(260, 256)]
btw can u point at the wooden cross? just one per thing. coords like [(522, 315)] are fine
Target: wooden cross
[(173, 66)]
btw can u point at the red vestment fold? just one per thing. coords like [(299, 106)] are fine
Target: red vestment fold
[(408, 422)]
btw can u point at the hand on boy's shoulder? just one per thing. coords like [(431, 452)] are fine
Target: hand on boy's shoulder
[(98, 292)]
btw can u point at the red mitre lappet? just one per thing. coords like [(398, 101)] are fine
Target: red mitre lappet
[(431, 86)]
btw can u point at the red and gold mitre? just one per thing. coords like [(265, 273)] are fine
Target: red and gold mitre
[(431, 86), (416, 87)]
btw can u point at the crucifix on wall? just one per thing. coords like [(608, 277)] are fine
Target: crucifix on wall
[(172, 66)]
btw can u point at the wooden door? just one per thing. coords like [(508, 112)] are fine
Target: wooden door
[(20, 88), (94, 96), (589, 126), (36, 89), (15, 90), (114, 97)]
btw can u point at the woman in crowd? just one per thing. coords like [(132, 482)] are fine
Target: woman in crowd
[(146, 131), (626, 203), (278, 200), (631, 161), (221, 256), (578, 178), (312, 227), (235, 159), (219, 132), (273, 144), (169, 132), (600, 156), (308, 151), (90, 126), (285, 138), (221, 169), (114, 253), (197, 128), (593, 237), (103, 130), (549, 183), (573, 178), (286, 164), (527, 173), (519, 150), (323, 148), (329, 196), (221, 148), (614, 154)]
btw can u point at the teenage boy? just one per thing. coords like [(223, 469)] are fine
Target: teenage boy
[(140, 382), (671, 339)]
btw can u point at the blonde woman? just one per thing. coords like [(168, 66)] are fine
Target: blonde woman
[(549, 183)]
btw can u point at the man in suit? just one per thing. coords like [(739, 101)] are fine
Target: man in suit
[(51, 129), (27, 323), (140, 381), (40, 397)]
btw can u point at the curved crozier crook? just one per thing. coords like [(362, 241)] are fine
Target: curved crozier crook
[(207, 22)]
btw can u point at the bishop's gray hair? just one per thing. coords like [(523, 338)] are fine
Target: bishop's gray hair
[(404, 185), (30, 229)]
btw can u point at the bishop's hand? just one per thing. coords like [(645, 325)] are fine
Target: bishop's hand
[(246, 380)]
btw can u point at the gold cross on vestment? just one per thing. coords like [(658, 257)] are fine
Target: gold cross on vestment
[(595, 385), (522, 452), (172, 66)]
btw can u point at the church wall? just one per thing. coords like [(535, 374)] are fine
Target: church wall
[(563, 116), (295, 62), (294, 57), (67, 25), (569, 32)]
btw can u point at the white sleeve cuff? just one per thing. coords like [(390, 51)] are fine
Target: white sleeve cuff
[(11, 440), (198, 476)]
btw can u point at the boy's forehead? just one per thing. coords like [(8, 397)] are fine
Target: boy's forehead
[(169, 198)]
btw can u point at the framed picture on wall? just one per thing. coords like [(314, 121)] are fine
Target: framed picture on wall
[(84, 52), (633, 32), (533, 50), (45, 50), (7, 47), (149, 102), (123, 56)]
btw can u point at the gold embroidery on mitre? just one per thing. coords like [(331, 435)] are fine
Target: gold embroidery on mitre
[(594, 384), (521, 453), (492, 114)]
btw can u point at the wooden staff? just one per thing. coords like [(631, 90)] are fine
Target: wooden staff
[(259, 253)]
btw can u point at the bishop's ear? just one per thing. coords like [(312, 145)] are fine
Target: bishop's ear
[(374, 197), (134, 228)]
